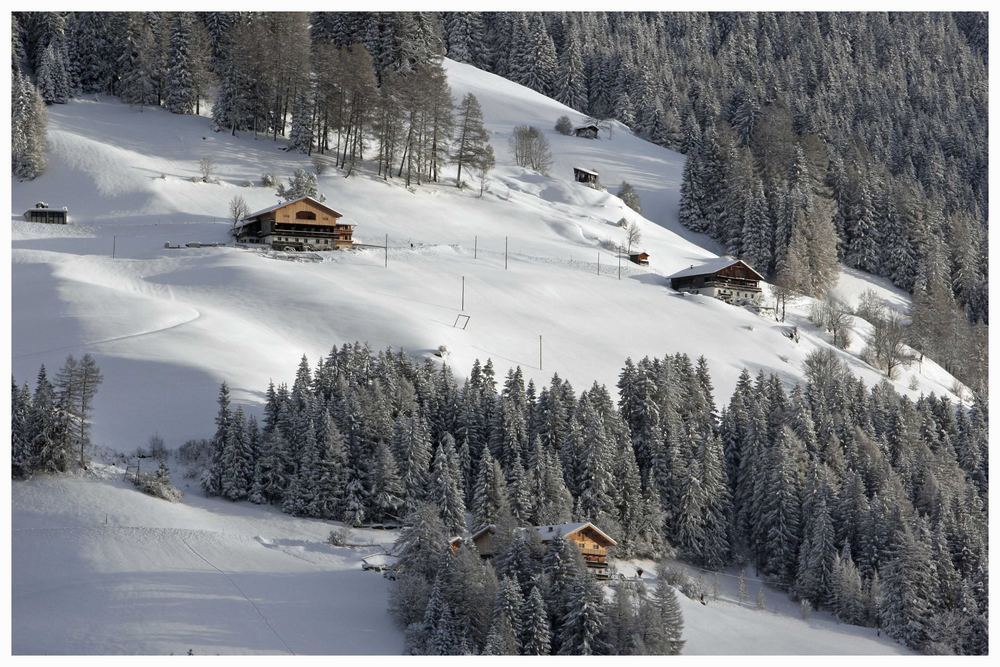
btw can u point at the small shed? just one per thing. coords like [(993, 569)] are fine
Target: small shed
[(641, 258), (43, 213), (581, 175), (482, 539), (586, 131)]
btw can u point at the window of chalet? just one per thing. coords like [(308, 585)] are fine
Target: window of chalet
[(305, 215)]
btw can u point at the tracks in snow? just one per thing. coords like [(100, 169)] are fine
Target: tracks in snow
[(242, 594)]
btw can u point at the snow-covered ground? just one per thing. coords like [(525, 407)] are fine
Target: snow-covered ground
[(100, 568), (167, 326), (114, 571)]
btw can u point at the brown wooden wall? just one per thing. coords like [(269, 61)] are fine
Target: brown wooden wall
[(287, 214)]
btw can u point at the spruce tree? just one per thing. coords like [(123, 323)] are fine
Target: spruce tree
[(181, 94), (536, 633)]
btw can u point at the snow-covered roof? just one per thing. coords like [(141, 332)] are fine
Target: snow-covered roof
[(712, 266), (586, 171), (551, 531), (294, 201), (590, 126)]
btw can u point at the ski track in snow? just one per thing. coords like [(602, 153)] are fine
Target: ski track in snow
[(245, 596), (114, 339)]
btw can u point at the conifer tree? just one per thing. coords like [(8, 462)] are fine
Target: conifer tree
[(536, 632), (181, 94)]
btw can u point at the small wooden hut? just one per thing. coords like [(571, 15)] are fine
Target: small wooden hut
[(581, 175)]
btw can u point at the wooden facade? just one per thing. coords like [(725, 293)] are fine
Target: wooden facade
[(581, 175), (301, 224), (52, 216), (730, 280), (592, 542), (641, 258), (587, 131)]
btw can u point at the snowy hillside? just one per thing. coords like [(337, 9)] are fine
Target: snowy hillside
[(118, 572), (166, 326)]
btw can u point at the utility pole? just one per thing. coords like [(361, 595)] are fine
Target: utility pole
[(475, 247), (619, 262), (387, 251), (598, 263), (505, 253), (114, 245), (539, 351), (463, 293)]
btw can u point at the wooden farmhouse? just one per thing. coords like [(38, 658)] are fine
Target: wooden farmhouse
[(592, 542), (42, 213), (586, 131), (300, 224), (730, 280), (585, 176), (641, 258)]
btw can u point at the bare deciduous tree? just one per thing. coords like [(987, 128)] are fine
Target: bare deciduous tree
[(238, 209), (886, 345), (633, 236), (531, 149), (207, 167)]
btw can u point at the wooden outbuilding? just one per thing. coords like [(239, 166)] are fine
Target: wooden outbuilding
[(300, 224), (727, 279), (587, 131), (43, 213), (641, 258), (581, 175), (482, 539)]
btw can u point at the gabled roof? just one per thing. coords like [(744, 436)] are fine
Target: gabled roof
[(589, 126), (712, 266), (586, 171), (312, 201), (551, 531)]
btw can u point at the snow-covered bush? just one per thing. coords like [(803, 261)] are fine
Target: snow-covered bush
[(442, 351), (870, 307), (319, 165), (564, 125), (268, 180), (196, 455), (679, 579), (339, 537), (157, 484)]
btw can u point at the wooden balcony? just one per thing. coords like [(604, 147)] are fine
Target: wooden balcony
[(595, 552)]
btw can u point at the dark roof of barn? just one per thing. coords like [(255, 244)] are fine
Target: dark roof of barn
[(712, 267)]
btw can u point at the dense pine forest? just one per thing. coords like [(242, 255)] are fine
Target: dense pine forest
[(853, 498)]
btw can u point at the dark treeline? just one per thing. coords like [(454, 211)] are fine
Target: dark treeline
[(853, 498), (50, 428)]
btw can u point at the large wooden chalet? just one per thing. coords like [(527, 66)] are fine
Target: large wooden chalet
[(730, 280), (592, 542), (300, 224)]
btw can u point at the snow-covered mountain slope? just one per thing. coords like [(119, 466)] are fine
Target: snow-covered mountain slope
[(100, 568), (166, 326)]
